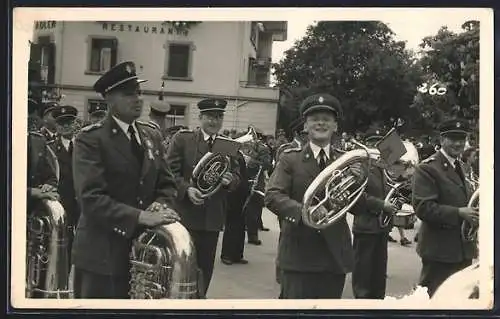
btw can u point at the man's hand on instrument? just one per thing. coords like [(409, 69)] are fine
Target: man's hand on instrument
[(390, 208), (227, 178), (356, 169), (320, 213), (45, 192), (152, 219), (195, 196), (45, 188), (156, 207), (469, 214)]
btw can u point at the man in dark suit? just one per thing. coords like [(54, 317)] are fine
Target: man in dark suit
[(203, 217), (313, 263), (97, 112), (370, 237), (122, 184), (233, 240), (49, 125), (62, 147), (440, 195)]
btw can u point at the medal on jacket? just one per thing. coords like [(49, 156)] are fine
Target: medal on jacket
[(150, 152)]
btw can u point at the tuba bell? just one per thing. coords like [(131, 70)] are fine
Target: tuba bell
[(341, 188), (208, 172), (163, 264), (47, 252), (468, 231)]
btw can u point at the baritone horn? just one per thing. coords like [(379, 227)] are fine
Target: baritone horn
[(469, 232), (47, 252), (341, 188), (208, 172)]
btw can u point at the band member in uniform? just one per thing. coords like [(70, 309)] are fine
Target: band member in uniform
[(203, 218), (370, 238), (233, 240), (49, 129), (313, 263), (158, 113), (440, 195), (97, 112), (62, 147), (122, 184), (42, 177)]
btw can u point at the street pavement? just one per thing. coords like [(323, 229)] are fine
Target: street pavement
[(256, 280)]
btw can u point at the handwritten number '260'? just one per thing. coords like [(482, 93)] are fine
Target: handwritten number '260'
[(432, 90)]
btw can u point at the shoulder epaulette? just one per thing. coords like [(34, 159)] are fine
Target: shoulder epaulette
[(185, 131), (293, 149), (36, 133), (147, 124), (91, 127), (429, 159)]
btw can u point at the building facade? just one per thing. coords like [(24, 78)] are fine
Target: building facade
[(226, 59)]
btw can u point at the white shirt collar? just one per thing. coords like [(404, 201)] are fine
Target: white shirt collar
[(65, 142), (207, 136), (124, 126), (316, 149), (448, 157)]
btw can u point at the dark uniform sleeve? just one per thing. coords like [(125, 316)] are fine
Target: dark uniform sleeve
[(175, 162), (425, 196), (235, 170), (277, 196), (367, 202), (49, 166), (92, 190), (166, 187)]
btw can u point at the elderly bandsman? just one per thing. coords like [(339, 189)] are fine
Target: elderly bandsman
[(313, 263), (203, 217), (97, 112), (440, 196), (122, 185)]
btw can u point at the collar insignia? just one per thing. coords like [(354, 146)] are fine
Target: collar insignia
[(321, 99), (458, 124)]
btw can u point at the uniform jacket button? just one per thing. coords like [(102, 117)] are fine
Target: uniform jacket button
[(140, 202), (140, 182)]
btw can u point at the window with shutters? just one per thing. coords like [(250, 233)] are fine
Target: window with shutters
[(179, 61), (43, 55), (102, 54), (176, 115)]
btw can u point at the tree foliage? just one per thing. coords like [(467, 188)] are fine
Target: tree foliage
[(452, 61), (359, 62)]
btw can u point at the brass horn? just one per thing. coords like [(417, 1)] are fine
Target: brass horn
[(208, 172), (164, 264), (341, 188), (469, 232)]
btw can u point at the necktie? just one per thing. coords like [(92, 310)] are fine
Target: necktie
[(322, 159), (136, 148), (210, 142), (458, 170), (70, 147)]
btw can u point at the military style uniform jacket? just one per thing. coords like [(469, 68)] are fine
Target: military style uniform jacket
[(302, 248), (293, 144), (184, 152), (66, 187), (370, 204), (438, 192), (42, 165), (112, 190)]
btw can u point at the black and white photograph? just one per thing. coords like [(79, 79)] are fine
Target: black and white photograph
[(290, 158)]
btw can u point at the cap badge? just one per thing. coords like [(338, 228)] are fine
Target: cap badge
[(321, 99), (129, 68), (217, 103), (63, 110), (458, 124)]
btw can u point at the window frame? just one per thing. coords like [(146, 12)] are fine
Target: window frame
[(191, 47), (93, 100), (90, 39), (185, 106)]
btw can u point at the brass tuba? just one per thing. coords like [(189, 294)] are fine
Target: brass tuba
[(342, 189), (207, 174), (163, 264), (468, 231), (47, 252)]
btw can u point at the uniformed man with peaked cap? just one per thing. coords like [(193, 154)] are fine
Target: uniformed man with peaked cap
[(62, 146), (313, 263), (204, 218), (440, 195), (122, 184), (97, 112)]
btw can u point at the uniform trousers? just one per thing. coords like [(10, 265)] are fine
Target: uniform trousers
[(369, 275), (205, 243), (233, 240), (253, 214), (434, 273), (90, 285), (311, 285)]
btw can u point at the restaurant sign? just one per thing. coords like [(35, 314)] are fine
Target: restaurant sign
[(152, 29), (45, 25)]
